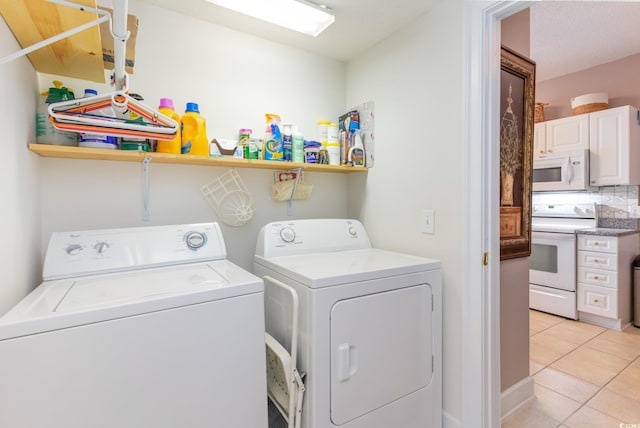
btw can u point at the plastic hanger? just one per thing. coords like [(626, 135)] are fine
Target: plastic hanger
[(84, 115)]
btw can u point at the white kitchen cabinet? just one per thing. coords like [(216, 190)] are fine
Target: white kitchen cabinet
[(614, 144), (561, 135), (605, 279), (539, 138)]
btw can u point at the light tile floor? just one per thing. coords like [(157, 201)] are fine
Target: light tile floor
[(584, 376)]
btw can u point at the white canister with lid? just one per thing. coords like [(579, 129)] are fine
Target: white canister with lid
[(323, 130), (332, 133), (333, 150)]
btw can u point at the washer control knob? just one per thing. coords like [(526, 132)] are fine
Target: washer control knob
[(73, 249), (352, 231), (195, 240), (101, 246), (287, 234)]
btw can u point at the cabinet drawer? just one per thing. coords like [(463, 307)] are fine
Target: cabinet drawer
[(598, 300), (607, 244), (600, 277), (598, 260)]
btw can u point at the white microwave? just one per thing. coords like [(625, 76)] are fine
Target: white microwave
[(561, 171)]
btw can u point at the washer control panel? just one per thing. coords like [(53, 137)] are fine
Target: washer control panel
[(308, 236), (79, 253)]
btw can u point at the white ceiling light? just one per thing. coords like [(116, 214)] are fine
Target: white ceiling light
[(296, 15)]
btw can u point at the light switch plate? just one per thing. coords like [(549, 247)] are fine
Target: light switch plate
[(428, 221), (635, 212)]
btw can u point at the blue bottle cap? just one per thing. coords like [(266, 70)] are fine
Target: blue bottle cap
[(90, 92), (192, 107)]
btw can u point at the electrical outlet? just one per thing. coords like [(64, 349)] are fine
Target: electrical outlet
[(428, 221), (634, 212)]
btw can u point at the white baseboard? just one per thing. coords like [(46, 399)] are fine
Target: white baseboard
[(516, 396), (449, 421)]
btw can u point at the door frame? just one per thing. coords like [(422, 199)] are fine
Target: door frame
[(481, 390)]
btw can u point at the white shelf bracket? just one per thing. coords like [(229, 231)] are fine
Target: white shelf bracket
[(145, 188), (293, 191)]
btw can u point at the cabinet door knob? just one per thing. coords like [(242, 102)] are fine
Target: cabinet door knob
[(596, 277), (595, 300), (596, 261)]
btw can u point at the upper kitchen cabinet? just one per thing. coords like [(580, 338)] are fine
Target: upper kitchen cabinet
[(562, 135), (539, 138), (614, 147)]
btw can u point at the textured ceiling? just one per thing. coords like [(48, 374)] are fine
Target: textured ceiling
[(568, 36)]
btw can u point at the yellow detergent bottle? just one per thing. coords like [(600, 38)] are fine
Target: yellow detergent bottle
[(194, 132), (175, 145)]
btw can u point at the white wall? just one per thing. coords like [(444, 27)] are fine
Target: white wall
[(415, 78), (19, 178), (235, 78)]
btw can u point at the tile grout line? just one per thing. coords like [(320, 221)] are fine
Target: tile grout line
[(600, 388)]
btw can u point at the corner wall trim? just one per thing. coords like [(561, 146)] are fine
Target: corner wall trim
[(515, 397)]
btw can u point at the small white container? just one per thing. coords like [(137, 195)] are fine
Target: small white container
[(323, 130), (333, 150), (332, 133)]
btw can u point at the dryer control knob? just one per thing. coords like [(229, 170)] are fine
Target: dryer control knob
[(352, 231), (287, 234), (195, 240)]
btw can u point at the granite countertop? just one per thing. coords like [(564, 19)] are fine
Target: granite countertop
[(607, 231), (614, 227)]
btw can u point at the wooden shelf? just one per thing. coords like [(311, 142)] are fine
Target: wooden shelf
[(47, 150)]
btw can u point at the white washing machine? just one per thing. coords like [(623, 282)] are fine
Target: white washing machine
[(137, 327), (370, 324)]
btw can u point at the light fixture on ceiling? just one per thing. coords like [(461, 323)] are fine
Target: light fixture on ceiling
[(301, 16)]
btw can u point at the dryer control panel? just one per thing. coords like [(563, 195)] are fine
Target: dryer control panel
[(311, 236), (89, 252)]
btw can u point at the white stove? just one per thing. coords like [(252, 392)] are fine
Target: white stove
[(552, 265)]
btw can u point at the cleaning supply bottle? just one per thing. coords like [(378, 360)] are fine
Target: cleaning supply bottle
[(273, 146), (175, 145), (287, 137), (46, 133), (194, 132), (297, 147), (356, 152)]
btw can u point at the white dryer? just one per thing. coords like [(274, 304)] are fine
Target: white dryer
[(370, 324), (136, 327)]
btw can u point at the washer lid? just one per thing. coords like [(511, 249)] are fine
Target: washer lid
[(327, 269), (89, 299)]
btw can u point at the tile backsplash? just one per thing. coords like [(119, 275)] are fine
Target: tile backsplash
[(613, 202)]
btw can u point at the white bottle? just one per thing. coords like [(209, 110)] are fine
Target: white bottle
[(356, 152), (297, 147)]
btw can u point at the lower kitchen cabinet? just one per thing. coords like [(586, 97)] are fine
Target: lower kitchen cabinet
[(605, 276)]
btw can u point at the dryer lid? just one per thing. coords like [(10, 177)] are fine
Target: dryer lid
[(327, 269)]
